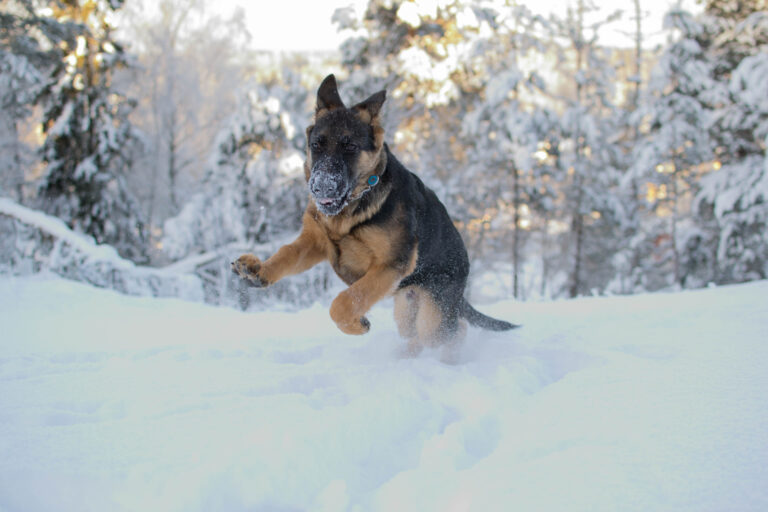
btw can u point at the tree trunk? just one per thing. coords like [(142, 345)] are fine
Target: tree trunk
[(577, 222), (544, 252), (515, 231), (18, 172), (638, 54), (577, 225), (675, 213), (172, 170)]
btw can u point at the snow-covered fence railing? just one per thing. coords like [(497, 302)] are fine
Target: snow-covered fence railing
[(32, 242)]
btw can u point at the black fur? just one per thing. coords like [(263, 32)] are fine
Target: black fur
[(443, 265)]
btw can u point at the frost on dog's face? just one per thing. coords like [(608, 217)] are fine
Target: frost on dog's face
[(341, 144), (335, 155)]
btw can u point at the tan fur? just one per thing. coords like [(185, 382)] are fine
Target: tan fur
[(309, 249), (320, 113), (367, 247), (340, 225), (418, 318), (364, 115), (371, 162), (348, 309), (406, 309), (428, 320), (356, 254), (250, 263), (364, 260)]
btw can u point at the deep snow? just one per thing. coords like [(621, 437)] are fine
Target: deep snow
[(648, 403)]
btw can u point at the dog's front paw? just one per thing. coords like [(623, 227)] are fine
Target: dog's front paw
[(354, 326), (345, 316), (247, 267)]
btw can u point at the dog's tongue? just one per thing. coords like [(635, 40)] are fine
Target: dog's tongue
[(325, 202)]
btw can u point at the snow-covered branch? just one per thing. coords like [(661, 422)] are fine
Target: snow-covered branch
[(35, 242)]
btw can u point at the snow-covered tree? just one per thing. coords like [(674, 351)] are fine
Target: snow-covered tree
[(87, 134), (701, 157), (423, 54), (667, 159), (735, 196), (589, 150), (254, 188), (253, 195), (502, 137), (189, 67), (30, 57)]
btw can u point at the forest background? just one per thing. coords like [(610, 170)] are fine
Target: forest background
[(142, 148)]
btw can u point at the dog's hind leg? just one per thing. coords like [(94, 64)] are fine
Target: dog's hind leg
[(423, 321), (429, 320), (406, 311)]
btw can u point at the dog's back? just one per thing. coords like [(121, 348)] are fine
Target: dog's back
[(443, 264)]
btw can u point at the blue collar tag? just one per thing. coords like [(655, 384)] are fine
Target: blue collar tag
[(373, 180)]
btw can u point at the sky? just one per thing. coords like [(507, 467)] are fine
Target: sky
[(291, 25)]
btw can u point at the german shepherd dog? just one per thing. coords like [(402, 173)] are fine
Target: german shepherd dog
[(380, 228)]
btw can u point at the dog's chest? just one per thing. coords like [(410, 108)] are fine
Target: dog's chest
[(353, 254), (351, 258)]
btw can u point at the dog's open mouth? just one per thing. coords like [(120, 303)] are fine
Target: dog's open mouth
[(331, 205), (329, 187)]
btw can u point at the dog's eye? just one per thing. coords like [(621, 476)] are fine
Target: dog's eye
[(315, 146), (350, 147)]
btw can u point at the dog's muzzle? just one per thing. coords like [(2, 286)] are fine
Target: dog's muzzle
[(328, 186)]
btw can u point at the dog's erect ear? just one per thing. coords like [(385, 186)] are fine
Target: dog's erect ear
[(372, 105), (328, 95)]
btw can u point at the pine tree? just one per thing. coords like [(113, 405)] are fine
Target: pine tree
[(734, 197), (669, 160), (589, 152), (252, 197), (502, 135), (423, 54), (255, 177), (187, 75), (30, 56), (631, 261), (85, 122)]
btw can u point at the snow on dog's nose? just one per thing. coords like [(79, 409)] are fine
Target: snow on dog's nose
[(327, 180), (328, 185)]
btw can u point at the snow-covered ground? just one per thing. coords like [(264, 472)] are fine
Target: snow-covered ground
[(648, 403)]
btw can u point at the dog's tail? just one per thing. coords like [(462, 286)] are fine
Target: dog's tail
[(478, 319)]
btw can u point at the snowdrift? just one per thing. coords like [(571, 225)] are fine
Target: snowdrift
[(652, 402)]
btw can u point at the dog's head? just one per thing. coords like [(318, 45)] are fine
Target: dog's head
[(344, 148)]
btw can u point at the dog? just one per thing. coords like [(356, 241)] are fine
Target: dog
[(382, 230)]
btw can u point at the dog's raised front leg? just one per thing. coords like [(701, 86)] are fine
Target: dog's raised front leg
[(302, 254), (349, 307)]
